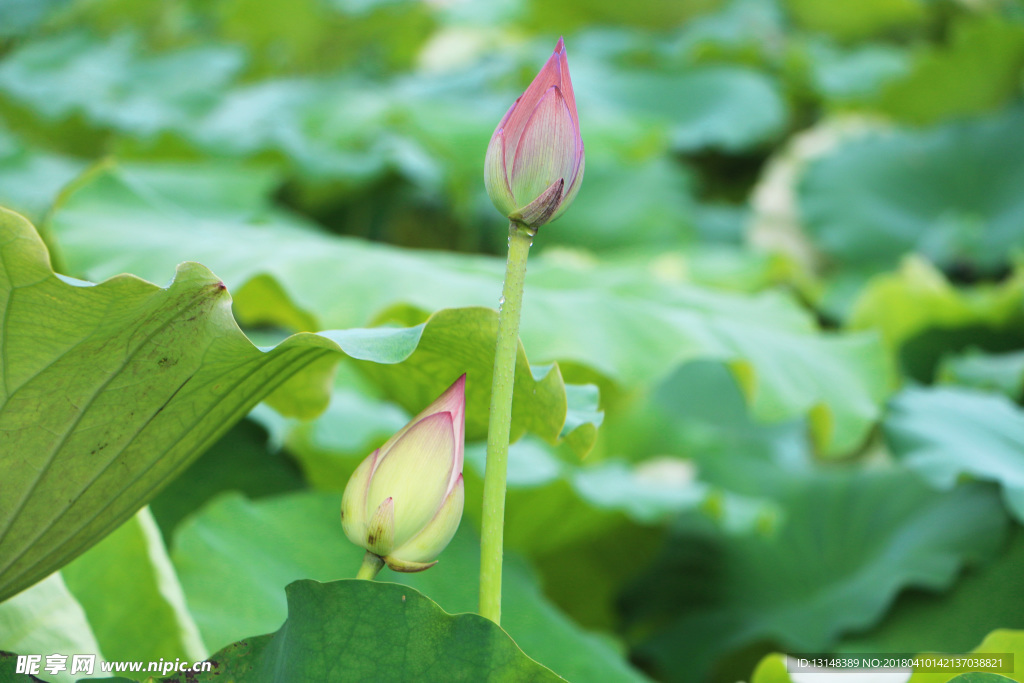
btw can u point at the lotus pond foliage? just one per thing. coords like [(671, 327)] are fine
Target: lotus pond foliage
[(767, 386)]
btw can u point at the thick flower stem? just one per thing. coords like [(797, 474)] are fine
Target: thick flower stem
[(372, 564), (520, 238)]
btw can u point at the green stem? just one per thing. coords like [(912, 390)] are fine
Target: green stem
[(493, 524), (372, 564)]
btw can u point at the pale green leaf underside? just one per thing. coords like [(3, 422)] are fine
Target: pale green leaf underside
[(950, 193), (46, 619), (1001, 373), (133, 561), (918, 297), (107, 392), (983, 599), (946, 434)]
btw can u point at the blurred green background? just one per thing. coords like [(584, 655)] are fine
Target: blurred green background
[(792, 276)]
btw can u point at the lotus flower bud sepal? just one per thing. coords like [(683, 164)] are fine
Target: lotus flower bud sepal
[(404, 502), (534, 164)]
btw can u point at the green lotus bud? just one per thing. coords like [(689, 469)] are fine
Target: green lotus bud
[(404, 501), (534, 164)]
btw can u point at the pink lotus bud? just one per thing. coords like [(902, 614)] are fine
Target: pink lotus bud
[(534, 163), (404, 501)]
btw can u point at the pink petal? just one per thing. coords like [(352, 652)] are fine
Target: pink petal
[(547, 150), (496, 175), (565, 83), (573, 188), (522, 110), (453, 400)]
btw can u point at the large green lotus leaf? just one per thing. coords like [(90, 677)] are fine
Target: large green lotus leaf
[(699, 410), (30, 178), (628, 324), (854, 74), (363, 630), (723, 107), (851, 541), (114, 86), (982, 599), (240, 461), (606, 202), (650, 14), (917, 298), (851, 20), (132, 563), (45, 619), (977, 72), (948, 433), (949, 192), (369, 631), (303, 35), (553, 502), (337, 127), (236, 556), (998, 642), (452, 342), (110, 391), (314, 36), (328, 129), (345, 131), (999, 372), (588, 528), (22, 16), (461, 341), (738, 30), (328, 447), (723, 266)]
